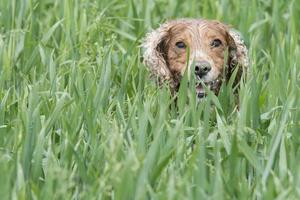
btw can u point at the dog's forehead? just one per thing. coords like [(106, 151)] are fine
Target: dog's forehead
[(198, 28)]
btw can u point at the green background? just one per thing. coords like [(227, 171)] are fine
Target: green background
[(81, 119)]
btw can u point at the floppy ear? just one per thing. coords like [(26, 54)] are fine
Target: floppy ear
[(155, 55), (238, 55)]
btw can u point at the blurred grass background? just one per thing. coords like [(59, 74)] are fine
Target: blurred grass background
[(80, 118)]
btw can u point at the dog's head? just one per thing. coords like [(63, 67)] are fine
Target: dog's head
[(207, 46)]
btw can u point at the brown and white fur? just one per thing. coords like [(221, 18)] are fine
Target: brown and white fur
[(207, 41)]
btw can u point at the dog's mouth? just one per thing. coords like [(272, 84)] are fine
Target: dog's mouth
[(213, 86)]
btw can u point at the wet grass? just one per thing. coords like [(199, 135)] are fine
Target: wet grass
[(80, 118)]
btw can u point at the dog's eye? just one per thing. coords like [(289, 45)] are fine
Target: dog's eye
[(180, 45), (216, 43)]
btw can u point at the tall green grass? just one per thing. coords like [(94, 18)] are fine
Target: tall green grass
[(80, 118)]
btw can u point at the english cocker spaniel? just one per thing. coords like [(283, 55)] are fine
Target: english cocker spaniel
[(211, 48)]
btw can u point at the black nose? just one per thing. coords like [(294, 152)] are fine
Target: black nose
[(202, 68)]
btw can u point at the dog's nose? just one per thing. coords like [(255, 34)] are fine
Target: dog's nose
[(202, 68)]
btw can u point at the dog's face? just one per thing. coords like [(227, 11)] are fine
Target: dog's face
[(199, 45)]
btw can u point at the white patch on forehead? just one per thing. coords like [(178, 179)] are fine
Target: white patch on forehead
[(199, 55)]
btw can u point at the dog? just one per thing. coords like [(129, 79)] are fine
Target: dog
[(211, 49)]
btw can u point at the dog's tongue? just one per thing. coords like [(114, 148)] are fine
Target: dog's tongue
[(213, 86), (199, 88), (200, 91)]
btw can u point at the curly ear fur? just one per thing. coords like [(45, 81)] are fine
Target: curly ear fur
[(155, 57), (238, 56)]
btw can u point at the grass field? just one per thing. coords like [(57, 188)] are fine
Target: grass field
[(81, 119)]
